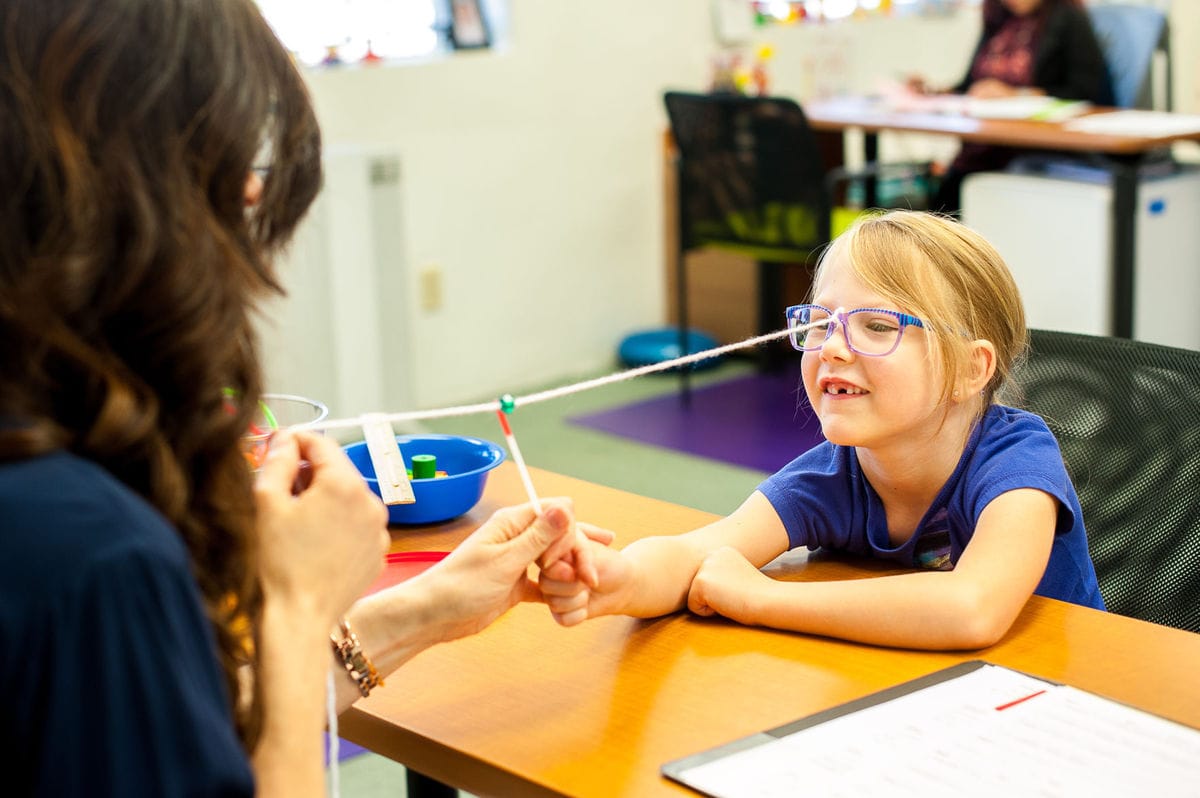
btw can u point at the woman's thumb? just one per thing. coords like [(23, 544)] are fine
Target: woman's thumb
[(550, 526)]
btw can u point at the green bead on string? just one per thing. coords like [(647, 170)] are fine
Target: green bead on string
[(508, 403)]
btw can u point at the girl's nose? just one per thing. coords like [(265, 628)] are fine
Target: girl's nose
[(837, 345)]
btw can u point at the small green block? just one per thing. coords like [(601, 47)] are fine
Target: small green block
[(424, 466), (507, 403)]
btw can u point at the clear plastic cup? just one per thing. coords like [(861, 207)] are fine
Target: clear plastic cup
[(277, 411)]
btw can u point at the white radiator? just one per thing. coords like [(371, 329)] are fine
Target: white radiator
[(341, 333), (1056, 235)]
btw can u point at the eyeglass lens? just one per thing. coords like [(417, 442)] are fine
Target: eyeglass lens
[(868, 331)]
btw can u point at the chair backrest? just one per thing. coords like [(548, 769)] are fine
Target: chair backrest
[(1129, 36), (750, 172), (1127, 417)]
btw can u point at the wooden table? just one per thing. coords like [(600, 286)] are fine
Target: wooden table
[(1124, 155), (529, 708)]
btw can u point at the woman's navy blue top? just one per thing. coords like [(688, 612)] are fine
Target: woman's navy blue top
[(110, 683)]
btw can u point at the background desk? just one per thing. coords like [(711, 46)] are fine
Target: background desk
[(529, 708), (1123, 153)]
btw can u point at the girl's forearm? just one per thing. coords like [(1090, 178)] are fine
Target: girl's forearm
[(662, 569), (923, 610)]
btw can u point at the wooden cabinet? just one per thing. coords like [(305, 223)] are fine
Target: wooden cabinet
[(722, 286)]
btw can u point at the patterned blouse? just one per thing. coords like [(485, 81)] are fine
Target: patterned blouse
[(1008, 56)]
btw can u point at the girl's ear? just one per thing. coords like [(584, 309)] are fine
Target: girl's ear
[(983, 366)]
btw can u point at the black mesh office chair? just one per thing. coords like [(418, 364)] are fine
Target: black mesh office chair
[(1127, 416), (750, 179)]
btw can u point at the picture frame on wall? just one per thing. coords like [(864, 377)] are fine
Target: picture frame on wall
[(468, 26)]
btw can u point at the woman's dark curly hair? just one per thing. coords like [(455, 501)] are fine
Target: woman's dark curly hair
[(130, 264)]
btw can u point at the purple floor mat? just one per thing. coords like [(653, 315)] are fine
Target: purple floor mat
[(346, 749), (760, 421)]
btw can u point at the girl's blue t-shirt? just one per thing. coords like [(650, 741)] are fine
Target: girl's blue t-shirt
[(825, 501)]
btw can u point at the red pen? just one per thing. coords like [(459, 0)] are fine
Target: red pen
[(1014, 702)]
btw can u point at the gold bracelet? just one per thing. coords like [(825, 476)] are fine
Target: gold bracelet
[(350, 652)]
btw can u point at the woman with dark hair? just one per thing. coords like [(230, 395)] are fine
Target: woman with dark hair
[(1031, 47), (165, 617)]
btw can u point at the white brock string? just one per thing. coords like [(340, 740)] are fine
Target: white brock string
[(556, 393)]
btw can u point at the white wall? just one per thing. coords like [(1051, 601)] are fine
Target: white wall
[(531, 177)]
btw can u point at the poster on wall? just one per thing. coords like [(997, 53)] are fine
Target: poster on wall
[(733, 21), (468, 29)]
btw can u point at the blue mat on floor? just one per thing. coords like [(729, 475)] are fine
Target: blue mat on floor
[(760, 421)]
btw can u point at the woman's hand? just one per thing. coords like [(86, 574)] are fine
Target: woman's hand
[(319, 549), (918, 85), (991, 89), (487, 573)]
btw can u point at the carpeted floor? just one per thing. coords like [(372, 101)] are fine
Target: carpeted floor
[(759, 420)]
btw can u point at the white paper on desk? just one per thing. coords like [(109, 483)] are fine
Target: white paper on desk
[(1036, 107), (1018, 107), (898, 97), (949, 104), (950, 739), (1136, 123)]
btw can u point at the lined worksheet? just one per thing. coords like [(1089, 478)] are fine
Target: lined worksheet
[(991, 731)]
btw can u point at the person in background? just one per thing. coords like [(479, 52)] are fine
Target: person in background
[(168, 623), (915, 325), (1027, 47)]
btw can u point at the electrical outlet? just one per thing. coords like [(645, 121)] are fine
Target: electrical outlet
[(431, 287)]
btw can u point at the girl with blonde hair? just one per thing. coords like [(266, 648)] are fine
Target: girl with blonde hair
[(914, 326)]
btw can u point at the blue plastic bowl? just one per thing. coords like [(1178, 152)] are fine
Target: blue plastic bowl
[(466, 462)]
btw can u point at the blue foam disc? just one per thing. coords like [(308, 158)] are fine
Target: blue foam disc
[(654, 346)]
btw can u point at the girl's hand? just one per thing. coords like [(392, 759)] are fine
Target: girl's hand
[(571, 600), (725, 585), (574, 551), (321, 548)]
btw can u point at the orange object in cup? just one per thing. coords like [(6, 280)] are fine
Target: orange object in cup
[(278, 411)]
